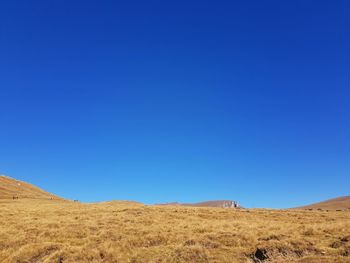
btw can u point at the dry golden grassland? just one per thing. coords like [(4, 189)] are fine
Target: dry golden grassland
[(53, 231)]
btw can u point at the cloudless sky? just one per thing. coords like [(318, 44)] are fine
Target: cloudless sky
[(160, 101)]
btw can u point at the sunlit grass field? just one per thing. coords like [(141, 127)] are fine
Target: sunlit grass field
[(63, 231)]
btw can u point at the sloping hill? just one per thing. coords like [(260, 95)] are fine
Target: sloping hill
[(339, 203), (214, 203), (11, 188)]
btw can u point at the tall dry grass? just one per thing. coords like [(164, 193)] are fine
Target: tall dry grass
[(51, 230)]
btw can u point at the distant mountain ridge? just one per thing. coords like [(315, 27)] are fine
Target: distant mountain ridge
[(213, 203), (14, 189), (339, 203), (11, 188)]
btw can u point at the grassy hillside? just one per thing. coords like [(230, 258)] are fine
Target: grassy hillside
[(340, 203), (11, 188), (55, 231)]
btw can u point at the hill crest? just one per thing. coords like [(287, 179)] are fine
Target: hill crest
[(338, 203), (11, 188)]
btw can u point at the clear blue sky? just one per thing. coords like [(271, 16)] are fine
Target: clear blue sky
[(160, 101)]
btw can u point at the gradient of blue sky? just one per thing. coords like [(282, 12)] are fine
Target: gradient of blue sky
[(184, 101)]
